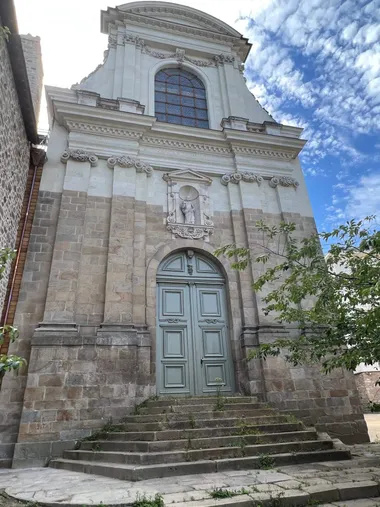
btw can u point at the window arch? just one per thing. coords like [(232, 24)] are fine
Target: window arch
[(180, 97)]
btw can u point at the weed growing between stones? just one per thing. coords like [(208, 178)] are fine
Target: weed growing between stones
[(101, 433), (191, 421), (227, 493), (148, 501), (266, 462), (220, 401)]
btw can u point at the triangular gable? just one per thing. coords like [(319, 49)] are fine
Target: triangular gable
[(187, 175)]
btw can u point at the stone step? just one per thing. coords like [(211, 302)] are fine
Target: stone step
[(206, 400), (205, 414), (169, 457), (201, 423), (194, 409), (138, 473), (200, 432), (188, 441)]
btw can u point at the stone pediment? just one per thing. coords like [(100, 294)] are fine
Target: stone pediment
[(178, 14), (187, 175)]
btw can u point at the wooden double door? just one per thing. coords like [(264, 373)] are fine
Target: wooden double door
[(193, 345)]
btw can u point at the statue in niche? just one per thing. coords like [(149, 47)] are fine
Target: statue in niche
[(188, 211)]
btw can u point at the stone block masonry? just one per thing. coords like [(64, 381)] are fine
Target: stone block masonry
[(31, 47), (14, 159)]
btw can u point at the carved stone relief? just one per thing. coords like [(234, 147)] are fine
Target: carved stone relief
[(248, 177), (79, 156), (189, 213), (285, 181), (126, 161), (237, 177)]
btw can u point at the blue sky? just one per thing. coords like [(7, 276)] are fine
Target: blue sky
[(316, 64), (313, 63)]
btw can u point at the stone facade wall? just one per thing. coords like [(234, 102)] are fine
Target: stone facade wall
[(14, 159), (29, 312), (368, 391), (31, 47), (93, 357)]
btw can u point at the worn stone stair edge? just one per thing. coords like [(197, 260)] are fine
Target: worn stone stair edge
[(337, 492)]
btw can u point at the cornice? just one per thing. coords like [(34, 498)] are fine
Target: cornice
[(185, 145)]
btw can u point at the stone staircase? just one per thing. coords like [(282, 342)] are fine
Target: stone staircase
[(170, 437)]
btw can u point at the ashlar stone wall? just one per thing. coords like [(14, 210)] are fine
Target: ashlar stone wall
[(87, 308)]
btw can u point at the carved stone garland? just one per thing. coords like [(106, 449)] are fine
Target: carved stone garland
[(79, 156), (284, 181), (179, 54), (237, 177), (126, 161)]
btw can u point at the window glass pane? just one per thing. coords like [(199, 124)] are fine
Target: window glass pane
[(197, 83), (188, 101), (172, 71), (190, 122), (160, 87), (172, 109), (202, 114), (184, 81), (174, 99), (161, 96), (202, 124), (160, 107), (200, 93), (161, 76), (161, 117), (173, 88), (200, 103), (174, 119), (173, 80), (188, 111), (186, 90)]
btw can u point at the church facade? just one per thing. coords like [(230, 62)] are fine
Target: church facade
[(157, 158)]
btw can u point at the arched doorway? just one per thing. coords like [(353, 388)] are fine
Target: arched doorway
[(193, 346)]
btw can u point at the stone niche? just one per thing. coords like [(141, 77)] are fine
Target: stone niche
[(189, 214)]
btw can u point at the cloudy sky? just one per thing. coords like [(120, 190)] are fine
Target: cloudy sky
[(313, 63)]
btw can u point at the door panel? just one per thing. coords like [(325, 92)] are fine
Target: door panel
[(193, 347), (212, 353), (174, 353)]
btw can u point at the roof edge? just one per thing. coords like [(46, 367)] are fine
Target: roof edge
[(16, 56)]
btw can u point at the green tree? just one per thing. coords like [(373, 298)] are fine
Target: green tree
[(8, 362), (333, 300)]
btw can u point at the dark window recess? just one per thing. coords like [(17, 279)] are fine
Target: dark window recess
[(180, 97)]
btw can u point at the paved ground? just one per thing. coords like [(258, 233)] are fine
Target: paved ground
[(333, 482), (326, 482)]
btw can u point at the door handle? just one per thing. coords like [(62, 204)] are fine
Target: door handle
[(201, 361)]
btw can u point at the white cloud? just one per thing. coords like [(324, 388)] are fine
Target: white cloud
[(364, 198)]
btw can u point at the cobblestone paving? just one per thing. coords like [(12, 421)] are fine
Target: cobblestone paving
[(323, 482)]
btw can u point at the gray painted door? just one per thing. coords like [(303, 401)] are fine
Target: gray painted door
[(193, 348)]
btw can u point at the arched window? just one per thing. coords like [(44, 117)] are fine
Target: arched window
[(180, 97)]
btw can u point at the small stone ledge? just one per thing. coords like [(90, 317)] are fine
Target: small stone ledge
[(68, 335)]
